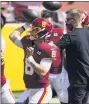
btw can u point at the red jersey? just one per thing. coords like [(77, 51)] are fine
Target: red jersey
[(56, 34), (31, 78), (56, 66)]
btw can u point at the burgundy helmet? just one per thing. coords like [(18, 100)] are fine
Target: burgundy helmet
[(85, 19), (41, 27)]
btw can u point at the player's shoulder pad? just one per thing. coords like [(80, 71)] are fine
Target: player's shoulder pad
[(58, 30), (44, 46)]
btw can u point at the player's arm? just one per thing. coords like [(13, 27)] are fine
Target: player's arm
[(15, 36), (42, 68), (63, 42)]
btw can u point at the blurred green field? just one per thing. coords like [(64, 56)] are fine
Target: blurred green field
[(17, 94), (53, 100)]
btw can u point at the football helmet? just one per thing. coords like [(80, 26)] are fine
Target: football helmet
[(85, 19), (41, 28)]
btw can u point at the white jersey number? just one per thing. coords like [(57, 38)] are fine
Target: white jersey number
[(28, 68)]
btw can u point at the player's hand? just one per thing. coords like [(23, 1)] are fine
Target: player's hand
[(29, 51)]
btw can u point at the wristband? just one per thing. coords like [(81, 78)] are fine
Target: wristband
[(30, 59), (25, 26)]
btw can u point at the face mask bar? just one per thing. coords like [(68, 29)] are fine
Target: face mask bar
[(35, 32)]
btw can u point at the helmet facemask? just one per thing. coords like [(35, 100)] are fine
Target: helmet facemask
[(38, 33), (40, 28)]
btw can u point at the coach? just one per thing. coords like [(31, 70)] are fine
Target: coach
[(76, 44)]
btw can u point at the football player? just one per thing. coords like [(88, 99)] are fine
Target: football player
[(6, 93), (58, 75), (38, 57)]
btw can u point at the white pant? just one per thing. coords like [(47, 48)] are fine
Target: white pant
[(60, 83), (36, 96), (6, 94)]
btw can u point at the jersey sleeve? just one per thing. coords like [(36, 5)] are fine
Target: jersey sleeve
[(64, 41), (46, 63)]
